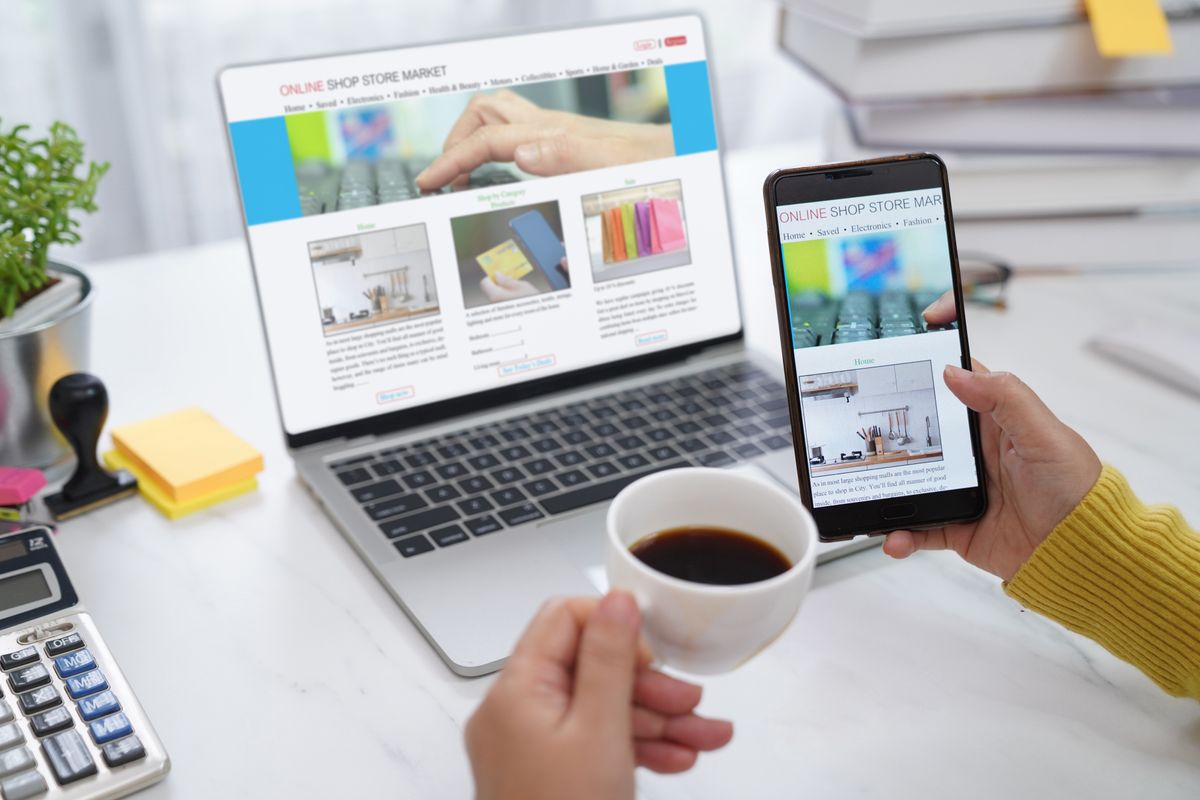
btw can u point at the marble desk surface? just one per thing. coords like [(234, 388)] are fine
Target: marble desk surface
[(274, 665)]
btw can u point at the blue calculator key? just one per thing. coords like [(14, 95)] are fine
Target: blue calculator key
[(88, 683), (111, 727), (98, 705), (74, 663)]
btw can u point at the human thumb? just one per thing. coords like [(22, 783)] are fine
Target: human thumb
[(1012, 405), (607, 664), (561, 153)]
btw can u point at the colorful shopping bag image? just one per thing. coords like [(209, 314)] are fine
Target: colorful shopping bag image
[(667, 224), (618, 231), (641, 221)]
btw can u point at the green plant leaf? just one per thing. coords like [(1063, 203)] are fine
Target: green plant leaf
[(40, 186)]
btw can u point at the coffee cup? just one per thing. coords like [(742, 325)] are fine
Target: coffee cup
[(701, 628)]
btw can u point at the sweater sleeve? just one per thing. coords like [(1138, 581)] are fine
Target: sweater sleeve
[(1126, 575)]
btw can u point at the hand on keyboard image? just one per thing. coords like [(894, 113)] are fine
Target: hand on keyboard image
[(379, 153), (507, 127), (866, 286)]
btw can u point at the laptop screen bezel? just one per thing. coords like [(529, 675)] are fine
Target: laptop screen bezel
[(449, 408)]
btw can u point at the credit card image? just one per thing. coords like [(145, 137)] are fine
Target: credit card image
[(505, 258)]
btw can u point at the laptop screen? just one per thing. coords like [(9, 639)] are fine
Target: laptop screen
[(435, 222)]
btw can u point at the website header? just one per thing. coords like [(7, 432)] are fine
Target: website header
[(857, 215), (265, 90)]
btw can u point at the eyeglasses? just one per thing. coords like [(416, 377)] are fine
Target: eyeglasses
[(984, 280)]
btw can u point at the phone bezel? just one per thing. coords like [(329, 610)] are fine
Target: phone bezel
[(882, 176)]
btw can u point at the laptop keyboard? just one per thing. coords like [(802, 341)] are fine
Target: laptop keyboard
[(818, 319), (446, 490), (361, 183)]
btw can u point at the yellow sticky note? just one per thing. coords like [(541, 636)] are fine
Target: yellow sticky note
[(157, 497), (1129, 27), (187, 453), (505, 258)]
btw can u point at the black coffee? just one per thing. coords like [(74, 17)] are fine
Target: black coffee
[(711, 555)]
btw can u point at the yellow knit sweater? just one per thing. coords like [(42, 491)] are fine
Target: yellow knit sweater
[(1126, 575)]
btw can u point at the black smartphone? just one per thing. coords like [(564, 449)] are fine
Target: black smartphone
[(858, 250)]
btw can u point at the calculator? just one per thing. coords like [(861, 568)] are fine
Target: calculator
[(70, 726)]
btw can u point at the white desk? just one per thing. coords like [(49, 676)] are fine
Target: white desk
[(274, 665)]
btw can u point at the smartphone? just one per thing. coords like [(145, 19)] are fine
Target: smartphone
[(858, 250), (542, 244)]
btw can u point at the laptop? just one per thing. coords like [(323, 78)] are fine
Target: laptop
[(497, 286)]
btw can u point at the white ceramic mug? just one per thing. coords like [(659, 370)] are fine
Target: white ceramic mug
[(702, 628)]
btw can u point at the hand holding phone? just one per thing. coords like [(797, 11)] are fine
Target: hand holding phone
[(858, 251)]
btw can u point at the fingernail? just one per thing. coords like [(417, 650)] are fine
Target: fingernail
[(957, 373), (421, 175), (529, 152), (619, 606)]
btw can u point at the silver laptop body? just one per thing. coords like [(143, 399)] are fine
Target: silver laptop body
[(406, 496)]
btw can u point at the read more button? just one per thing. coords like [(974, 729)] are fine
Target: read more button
[(394, 395), (651, 338), (525, 365)]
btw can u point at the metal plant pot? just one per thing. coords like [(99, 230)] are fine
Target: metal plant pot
[(31, 360)]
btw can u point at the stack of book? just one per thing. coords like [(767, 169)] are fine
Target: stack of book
[(1059, 157), (185, 461)]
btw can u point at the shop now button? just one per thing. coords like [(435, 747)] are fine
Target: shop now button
[(527, 365)]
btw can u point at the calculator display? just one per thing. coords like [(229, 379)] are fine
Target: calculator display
[(23, 588), (12, 549)]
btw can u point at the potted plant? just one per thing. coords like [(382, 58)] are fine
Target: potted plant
[(44, 305)]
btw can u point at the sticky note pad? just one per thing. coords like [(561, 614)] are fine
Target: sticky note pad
[(505, 258), (157, 496), (1129, 27), (188, 454)]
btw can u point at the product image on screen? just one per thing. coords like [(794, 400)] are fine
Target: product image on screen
[(878, 420), (510, 254), (373, 278), (636, 230)]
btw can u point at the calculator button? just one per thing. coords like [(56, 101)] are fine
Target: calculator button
[(69, 757), (39, 699), (98, 705), (29, 677), (51, 721), (122, 751), (63, 644), (15, 760), (74, 663), (18, 659), (23, 786), (85, 684), (6, 712), (10, 735), (111, 727)]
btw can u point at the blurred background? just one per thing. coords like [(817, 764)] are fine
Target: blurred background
[(137, 80), (1063, 158)]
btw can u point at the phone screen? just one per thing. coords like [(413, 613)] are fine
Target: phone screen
[(863, 254)]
